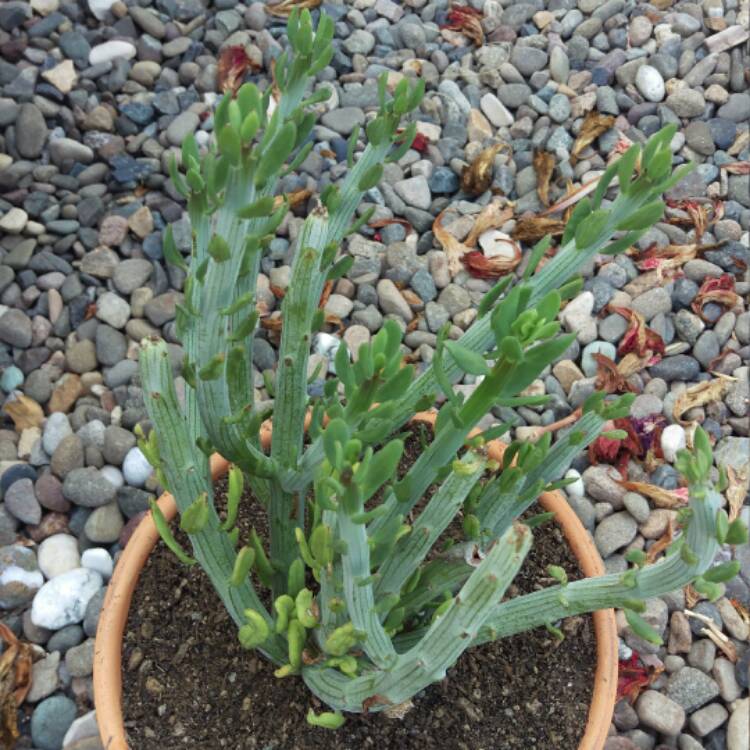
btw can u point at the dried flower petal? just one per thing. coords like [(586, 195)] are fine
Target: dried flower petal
[(617, 452), (737, 167), (738, 482), (544, 163), (719, 291), (593, 126), (420, 143), (490, 217), (477, 177), (482, 267), (15, 683), (380, 223), (285, 7), (638, 338), (659, 496), (699, 214), (700, 394), (633, 677), (608, 376), (530, 229), (233, 64), (467, 21)]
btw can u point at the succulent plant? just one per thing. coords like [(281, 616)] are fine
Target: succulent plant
[(360, 608)]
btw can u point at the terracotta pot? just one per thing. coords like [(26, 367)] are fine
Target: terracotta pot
[(114, 614)]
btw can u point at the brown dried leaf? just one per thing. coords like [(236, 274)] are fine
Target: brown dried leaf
[(661, 498), (530, 229), (544, 163), (661, 543), (593, 126), (294, 198), (741, 611), (738, 482), (15, 683), (477, 177), (700, 394), (285, 7), (24, 411)]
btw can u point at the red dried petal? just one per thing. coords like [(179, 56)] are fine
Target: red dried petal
[(638, 338), (482, 267), (633, 677), (420, 143), (233, 64), (718, 290)]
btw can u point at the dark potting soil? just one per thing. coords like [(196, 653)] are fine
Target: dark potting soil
[(188, 684)]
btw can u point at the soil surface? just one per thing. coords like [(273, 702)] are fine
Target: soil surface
[(188, 684)]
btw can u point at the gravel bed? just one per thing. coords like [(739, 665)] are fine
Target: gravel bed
[(96, 94)]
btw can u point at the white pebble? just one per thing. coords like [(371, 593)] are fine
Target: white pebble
[(113, 475), (135, 468), (672, 440), (58, 554), (63, 600), (650, 83), (574, 489), (98, 560), (111, 50), (100, 8)]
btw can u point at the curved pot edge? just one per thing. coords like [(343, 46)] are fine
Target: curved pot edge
[(114, 614)]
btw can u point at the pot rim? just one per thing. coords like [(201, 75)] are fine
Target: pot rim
[(114, 613)]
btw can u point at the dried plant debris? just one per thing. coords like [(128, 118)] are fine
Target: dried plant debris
[(638, 338), (709, 391), (15, 683), (720, 291), (660, 497), (698, 214), (491, 217), (633, 677), (479, 265), (593, 126), (531, 229), (738, 481), (609, 378), (467, 21), (544, 164), (285, 7), (233, 64), (477, 177)]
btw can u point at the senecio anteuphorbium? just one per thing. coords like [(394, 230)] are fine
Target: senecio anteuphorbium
[(360, 609)]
